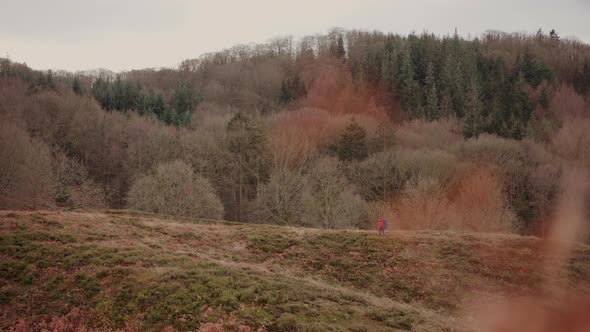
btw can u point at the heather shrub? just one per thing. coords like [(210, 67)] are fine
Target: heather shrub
[(173, 188)]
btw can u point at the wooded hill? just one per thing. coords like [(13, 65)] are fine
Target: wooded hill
[(306, 132)]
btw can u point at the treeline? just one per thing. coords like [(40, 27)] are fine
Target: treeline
[(330, 131), (497, 83)]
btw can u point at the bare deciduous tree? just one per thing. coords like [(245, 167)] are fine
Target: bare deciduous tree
[(26, 179), (173, 188), (329, 200), (280, 200)]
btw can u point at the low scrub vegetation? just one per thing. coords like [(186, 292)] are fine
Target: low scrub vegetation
[(134, 271)]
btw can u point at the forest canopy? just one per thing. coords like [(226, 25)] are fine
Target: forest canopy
[(299, 131)]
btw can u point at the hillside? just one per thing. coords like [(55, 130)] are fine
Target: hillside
[(440, 132), (111, 270)]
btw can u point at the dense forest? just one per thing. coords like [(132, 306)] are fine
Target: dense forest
[(333, 131)]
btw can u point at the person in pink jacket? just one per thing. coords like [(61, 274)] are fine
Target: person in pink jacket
[(382, 226)]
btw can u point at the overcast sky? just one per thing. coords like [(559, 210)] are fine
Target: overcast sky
[(127, 34)]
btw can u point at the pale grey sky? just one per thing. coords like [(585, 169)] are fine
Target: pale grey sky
[(128, 34)]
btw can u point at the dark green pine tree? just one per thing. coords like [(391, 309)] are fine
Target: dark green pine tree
[(182, 98), (117, 97), (340, 51), (292, 88), (137, 96), (102, 90), (76, 87), (183, 101), (388, 73), (353, 145), (337, 47), (452, 86), (431, 108), (473, 121), (409, 87), (158, 106), (520, 109), (50, 83)]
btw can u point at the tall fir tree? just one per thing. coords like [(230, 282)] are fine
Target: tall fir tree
[(452, 84), (431, 108), (520, 109), (409, 87), (388, 73), (473, 121), (76, 87), (182, 99)]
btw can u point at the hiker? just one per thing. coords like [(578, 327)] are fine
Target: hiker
[(382, 226)]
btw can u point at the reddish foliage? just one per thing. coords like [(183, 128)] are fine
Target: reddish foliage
[(572, 141), (296, 136), (330, 86), (333, 100), (475, 202), (565, 102)]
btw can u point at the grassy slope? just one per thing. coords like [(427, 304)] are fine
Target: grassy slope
[(110, 270)]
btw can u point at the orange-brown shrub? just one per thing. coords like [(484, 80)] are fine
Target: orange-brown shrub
[(473, 202), (572, 141), (566, 102), (295, 136), (333, 100), (530, 173), (330, 86), (480, 203)]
